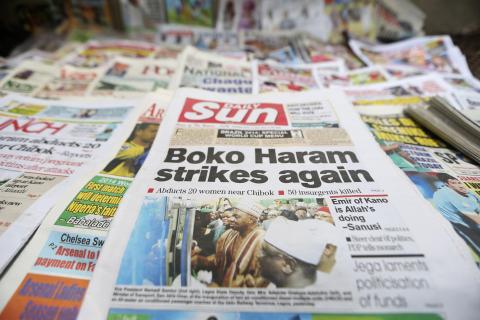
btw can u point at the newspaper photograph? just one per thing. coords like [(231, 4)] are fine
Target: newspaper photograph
[(43, 143), (203, 229), (65, 249), (212, 72), (325, 19)]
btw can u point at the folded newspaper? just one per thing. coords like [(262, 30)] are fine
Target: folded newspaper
[(67, 244), (45, 146), (215, 226), (451, 125)]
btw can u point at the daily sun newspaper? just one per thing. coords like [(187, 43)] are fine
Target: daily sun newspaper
[(44, 146), (216, 225)]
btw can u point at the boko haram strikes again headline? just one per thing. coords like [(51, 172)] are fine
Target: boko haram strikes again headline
[(209, 172)]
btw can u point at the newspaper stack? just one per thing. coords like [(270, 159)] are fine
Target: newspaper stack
[(254, 175), (449, 124)]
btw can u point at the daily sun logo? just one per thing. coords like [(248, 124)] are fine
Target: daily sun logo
[(265, 114)]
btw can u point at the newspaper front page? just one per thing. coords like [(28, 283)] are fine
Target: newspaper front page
[(42, 144), (275, 77), (213, 72), (66, 247), (237, 230)]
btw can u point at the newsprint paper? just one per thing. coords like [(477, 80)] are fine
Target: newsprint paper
[(64, 250), (212, 72), (235, 216), (44, 146)]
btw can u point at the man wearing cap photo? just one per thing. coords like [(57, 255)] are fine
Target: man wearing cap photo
[(296, 262), (235, 263)]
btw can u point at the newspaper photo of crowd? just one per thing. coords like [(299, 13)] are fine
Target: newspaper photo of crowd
[(242, 243)]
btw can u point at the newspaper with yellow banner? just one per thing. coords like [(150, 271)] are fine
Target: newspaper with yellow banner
[(64, 250), (45, 145), (444, 176)]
